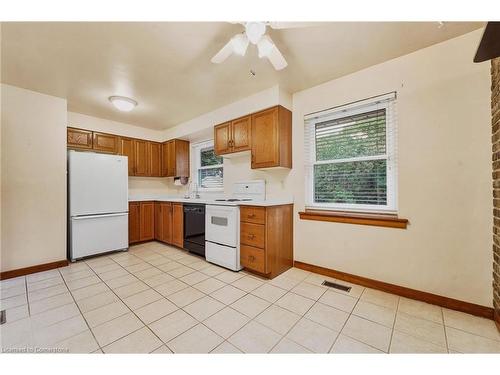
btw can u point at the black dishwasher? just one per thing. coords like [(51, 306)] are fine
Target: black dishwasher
[(194, 228)]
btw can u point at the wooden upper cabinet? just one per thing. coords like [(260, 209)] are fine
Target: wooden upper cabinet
[(272, 138), (175, 158), (233, 136), (181, 158), (147, 219), (106, 143), (241, 130), (222, 138), (134, 220), (127, 149), (79, 138), (155, 159), (171, 159), (145, 158), (177, 224), (142, 157)]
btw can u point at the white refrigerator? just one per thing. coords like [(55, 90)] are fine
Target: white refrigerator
[(98, 203)]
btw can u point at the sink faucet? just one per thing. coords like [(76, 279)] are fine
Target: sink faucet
[(192, 191)]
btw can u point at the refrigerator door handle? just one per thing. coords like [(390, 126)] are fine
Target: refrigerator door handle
[(84, 217)]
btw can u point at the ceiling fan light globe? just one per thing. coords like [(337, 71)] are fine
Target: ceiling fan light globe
[(239, 43), (254, 31)]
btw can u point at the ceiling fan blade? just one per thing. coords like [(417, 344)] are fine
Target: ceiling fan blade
[(223, 54), (277, 59), (291, 25)]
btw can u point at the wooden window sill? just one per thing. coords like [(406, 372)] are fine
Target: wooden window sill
[(378, 220)]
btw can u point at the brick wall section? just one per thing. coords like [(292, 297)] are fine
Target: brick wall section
[(495, 123)]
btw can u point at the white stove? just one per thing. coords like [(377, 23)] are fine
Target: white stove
[(222, 224)]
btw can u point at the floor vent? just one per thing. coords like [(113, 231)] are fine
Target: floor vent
[(3, 317), (336, 286)]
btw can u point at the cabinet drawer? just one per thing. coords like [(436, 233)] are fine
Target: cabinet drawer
[(253, 258), (253, 234), (256, 215)]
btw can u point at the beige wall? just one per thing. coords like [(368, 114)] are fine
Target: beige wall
[(444, 175), (236, 168), (33, 156), (79, 120)]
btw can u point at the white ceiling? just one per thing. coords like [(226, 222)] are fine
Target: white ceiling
[(166, 66)]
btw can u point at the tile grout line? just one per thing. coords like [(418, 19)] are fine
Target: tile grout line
[(348, 317), (144, 324), (445, 334), (393, 326), (293, 326), (81, 314)]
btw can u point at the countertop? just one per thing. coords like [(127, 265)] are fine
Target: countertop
[(162, 198)]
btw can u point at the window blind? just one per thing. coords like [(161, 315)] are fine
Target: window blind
[(351, 156)]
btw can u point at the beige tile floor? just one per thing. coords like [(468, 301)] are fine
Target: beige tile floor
[(159, 299)]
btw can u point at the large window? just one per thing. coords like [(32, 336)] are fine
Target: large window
[(351, 158), (209, 172)]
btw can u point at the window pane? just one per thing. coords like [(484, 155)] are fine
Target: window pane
[(359, 182), (208, 157), (351, 136), (210, 177)]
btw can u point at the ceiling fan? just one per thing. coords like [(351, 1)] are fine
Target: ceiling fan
[(255, 33)]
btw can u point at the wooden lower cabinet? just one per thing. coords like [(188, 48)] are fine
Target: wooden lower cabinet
[(160, 221), (266, 239), (177, 225), (147, 228), (134, 222), (163, 222)]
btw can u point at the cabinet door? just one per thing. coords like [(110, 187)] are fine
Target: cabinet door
[(241, 134), (79, 138), (158, 222), (181, 158), (146, 229), (171, 159), (265, 139), (141, 157), (166, 222), (222, 138), (105, 143), (134, 218), (164, 159), (127, 149), (155, 159), (177, 225)]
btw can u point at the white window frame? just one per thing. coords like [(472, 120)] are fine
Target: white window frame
[(196, 152), (390, 156)]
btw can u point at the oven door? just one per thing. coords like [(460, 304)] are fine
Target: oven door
[(222, 224)]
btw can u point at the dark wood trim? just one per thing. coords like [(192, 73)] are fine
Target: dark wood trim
[(33, 269), (378, 220), (496, 318), (449, 303)]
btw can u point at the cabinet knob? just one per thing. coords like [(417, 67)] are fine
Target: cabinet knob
[(251, 216), (251, 258), (251, 236)]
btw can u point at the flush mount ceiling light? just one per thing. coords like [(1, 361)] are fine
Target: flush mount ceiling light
[(123, 103)]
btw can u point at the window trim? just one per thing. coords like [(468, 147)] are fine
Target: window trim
[(196, 152), (386, 102)]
